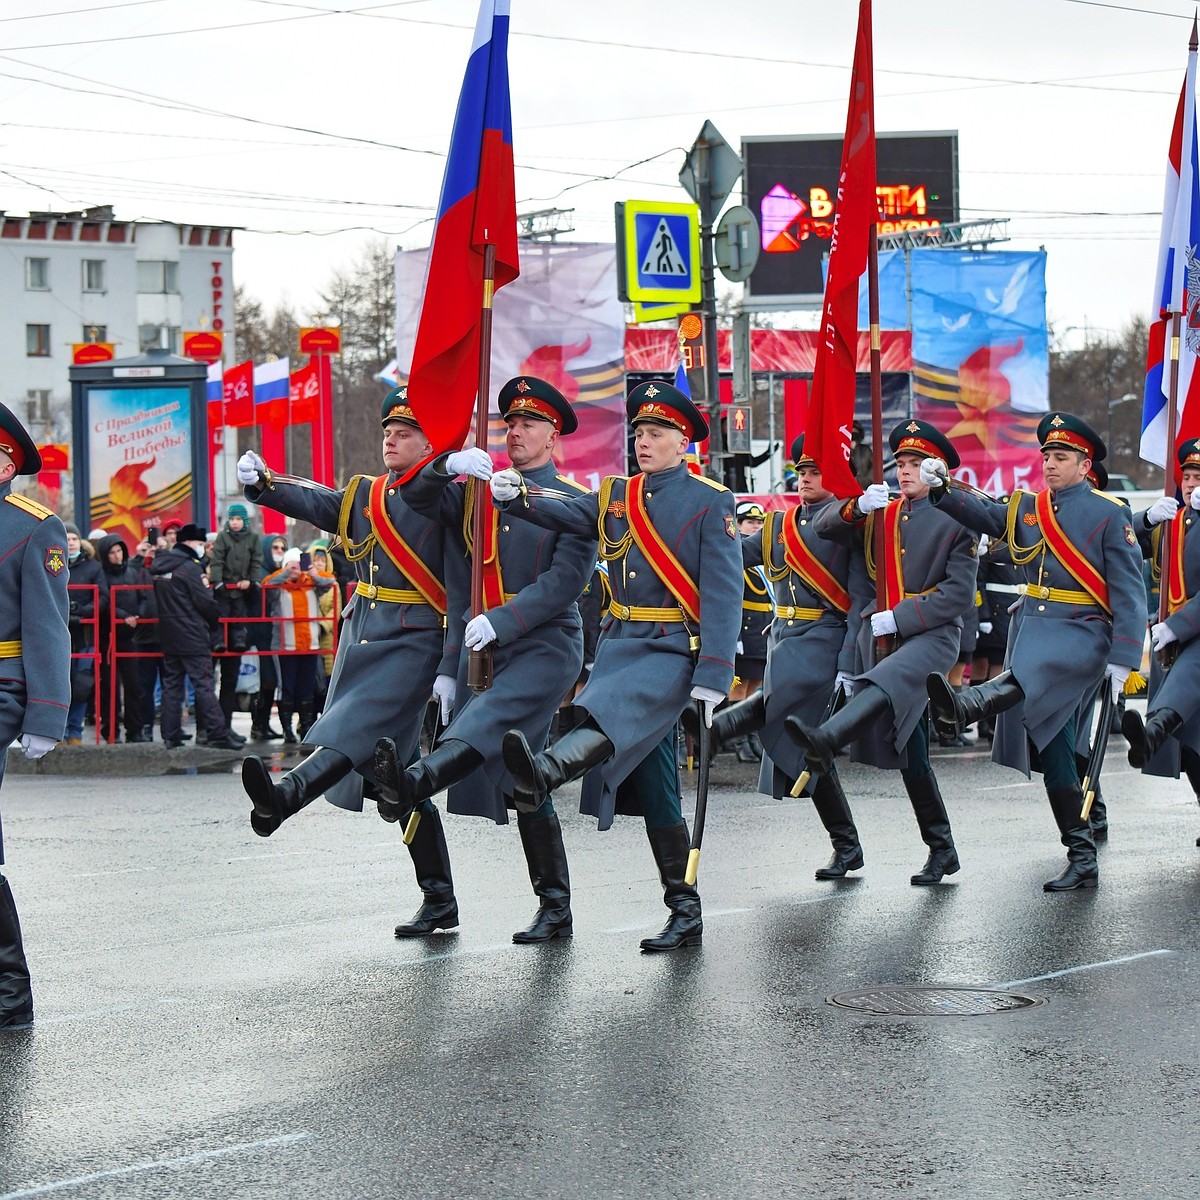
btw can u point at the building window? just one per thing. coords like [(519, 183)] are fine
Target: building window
[(155, 276), (159, 337), (37, 274), (93, 275), (37, 406), (95, 333), (37, 341)]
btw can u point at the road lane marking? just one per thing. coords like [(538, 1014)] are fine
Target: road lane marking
[(161, 1164), (1108, 962)]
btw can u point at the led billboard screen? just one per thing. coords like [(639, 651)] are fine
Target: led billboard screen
[(791, 187)]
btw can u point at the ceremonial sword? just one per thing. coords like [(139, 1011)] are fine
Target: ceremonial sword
[(705, 741), (835, 702), (1091, 780)]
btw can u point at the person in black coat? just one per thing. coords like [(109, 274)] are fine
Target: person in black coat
[(88, 611), (187, 625), (125, 605)]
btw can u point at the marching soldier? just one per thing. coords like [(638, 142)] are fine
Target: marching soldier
[(530, 585), (393, 652), (1170, 737), (675, 569), (812, 652), (929, 583), (1080, 620), (757, 607), (35, 665)]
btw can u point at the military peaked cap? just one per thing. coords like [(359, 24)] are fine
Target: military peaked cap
[(1188, 454), (396, 408), (920, 437), (662, 404), (1061, 431), (17, 444), (528, 396), (799, 458)]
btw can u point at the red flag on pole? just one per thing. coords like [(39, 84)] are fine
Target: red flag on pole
[(831, 404), (239, 395), (477, 208), (304, 395)]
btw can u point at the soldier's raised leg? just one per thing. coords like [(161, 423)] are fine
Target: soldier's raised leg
[(275, 802)]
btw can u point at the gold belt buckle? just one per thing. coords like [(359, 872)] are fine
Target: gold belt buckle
[(790, 611), (372, 591), (1043, 593), (622, 612)]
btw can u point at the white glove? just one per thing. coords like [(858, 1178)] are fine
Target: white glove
[(709, 699), (1195, 500), (36, 746), (1163, 509), (444, 689), (934, 472), (883, 623), (985, 627), (478, 633), (506, 485), (1161, 634), (470, 462), (250, 468), (1116, 677), (876, 496), (843, 681)]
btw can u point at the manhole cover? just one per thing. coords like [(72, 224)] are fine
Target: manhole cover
[(932, 1001)]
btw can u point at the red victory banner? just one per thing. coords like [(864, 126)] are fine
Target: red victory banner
[(304, 395), (239, 395), (321, 339), (83, 353), (203, 345)]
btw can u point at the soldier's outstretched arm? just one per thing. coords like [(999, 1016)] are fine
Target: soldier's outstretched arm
[(841, 522), (971, 511), (433, 493), (294, 496), (574, 514)]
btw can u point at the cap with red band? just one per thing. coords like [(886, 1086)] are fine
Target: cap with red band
[(17, 444), (528, 396)]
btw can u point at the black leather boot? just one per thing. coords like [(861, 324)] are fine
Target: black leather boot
[(953, 709), (16, 996), (537, 775), (1082, 871), (261, 729), (1145, 740), (546, 856), (685, 926), (431, 860), (308, 717), (1098, 817), (733, 722), (275, 802), (820, 744), (832, 807), (285, 719), (402, 790), (934, 824)]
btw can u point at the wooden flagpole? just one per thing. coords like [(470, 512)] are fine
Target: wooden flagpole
[(883, 645)]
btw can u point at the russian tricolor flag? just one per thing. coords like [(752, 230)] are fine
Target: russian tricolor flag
[(477, 208), (271, 389), (1173, 293)]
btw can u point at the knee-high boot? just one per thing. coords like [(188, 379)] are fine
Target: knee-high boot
[(308, 717), (1098, 817), (275, 802), (934, 824), (953, 709), (402, 790), (834, 810), (286, 713), (820, 744), (1145, 740), (685, 925), (732, 723), (431, 861), (16, 995), (1082, 870), (537, 775), (546, 856), (260, 728)]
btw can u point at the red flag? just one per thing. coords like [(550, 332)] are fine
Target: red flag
[(239, 395), (304, 394), (831, 405), (477, 208)]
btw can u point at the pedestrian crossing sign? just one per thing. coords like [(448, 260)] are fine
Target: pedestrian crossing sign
[(658, 252)]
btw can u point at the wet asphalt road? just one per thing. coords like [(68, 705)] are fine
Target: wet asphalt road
[(222, 1016)]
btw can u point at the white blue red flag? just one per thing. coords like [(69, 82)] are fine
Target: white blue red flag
[(271, 388), (1176, 287), (477, 208)]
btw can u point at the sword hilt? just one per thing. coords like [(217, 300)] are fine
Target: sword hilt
[(1085, 811), (693, 867), (800, 784), (410, 829)]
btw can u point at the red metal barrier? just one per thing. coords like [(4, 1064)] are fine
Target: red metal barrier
[(93, 622)]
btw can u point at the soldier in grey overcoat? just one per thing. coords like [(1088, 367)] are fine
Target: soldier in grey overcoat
[(35, 665), (661, 645), (929, 571), (1081, 619), (532, 620), (1170, 736), (811, 651), (394, 644)]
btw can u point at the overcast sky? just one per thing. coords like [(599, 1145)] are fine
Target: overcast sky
[(315, 130)]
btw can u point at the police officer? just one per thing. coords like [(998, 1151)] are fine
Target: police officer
[(812, 651), (35, 664), (750, 663), (1170, 737), (929, 584), (530, 585), (393, 652), (1080, 620), (675, 568)]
